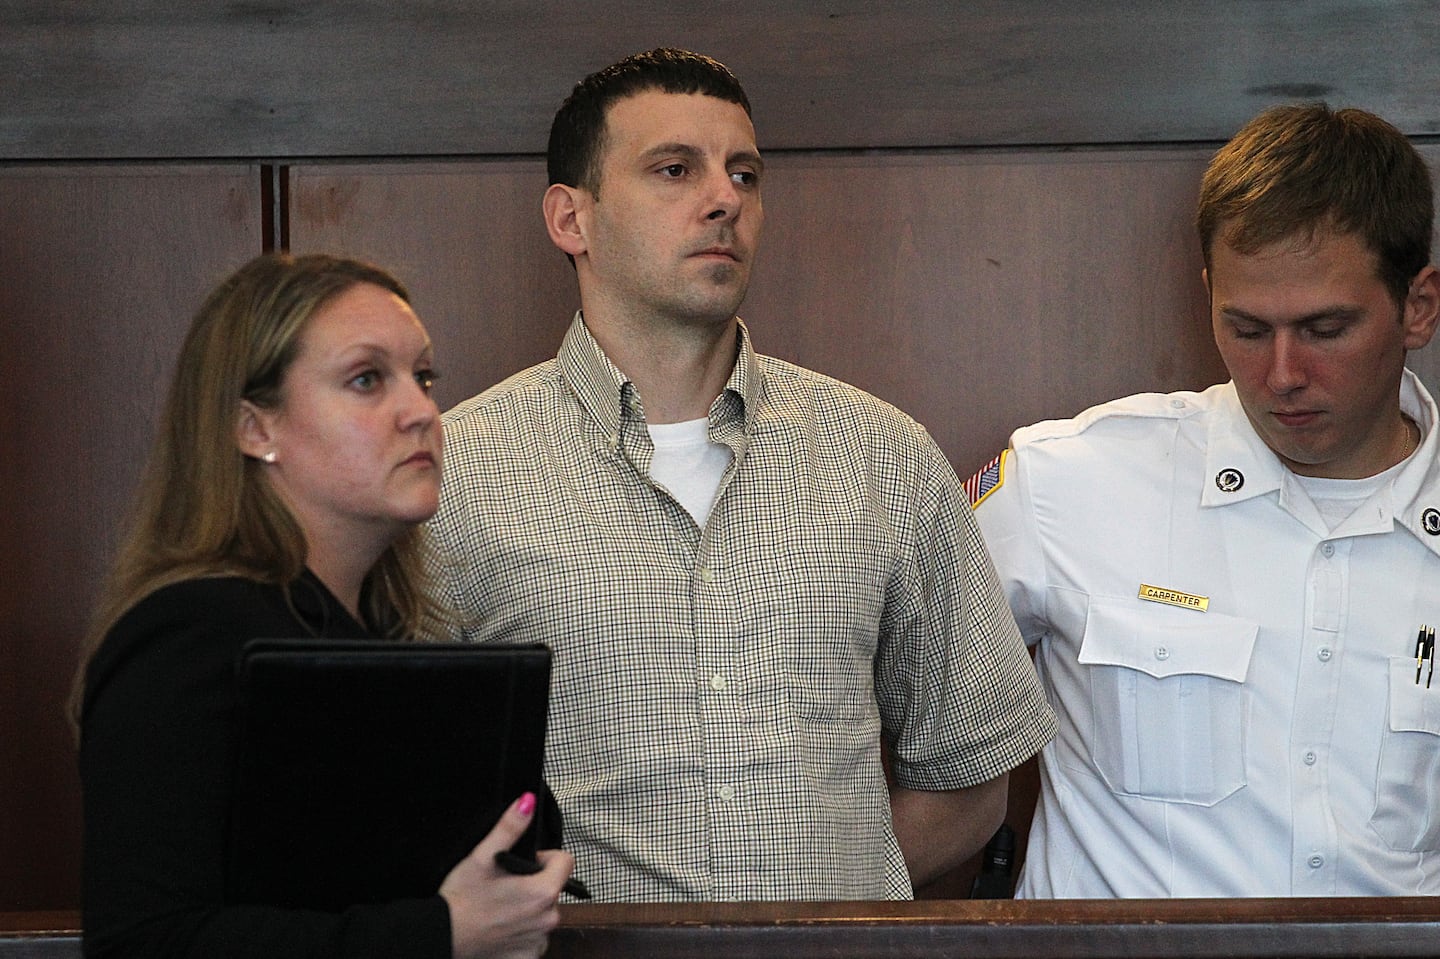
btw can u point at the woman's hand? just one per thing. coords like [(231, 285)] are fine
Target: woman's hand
[(496, 915)]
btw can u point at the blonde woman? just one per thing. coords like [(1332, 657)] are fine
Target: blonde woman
[(299, 449)]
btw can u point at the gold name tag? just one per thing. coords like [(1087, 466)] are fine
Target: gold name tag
[(1173, 597)]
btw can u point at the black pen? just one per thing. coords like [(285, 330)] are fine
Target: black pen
[(520, 866), (1419, 654)]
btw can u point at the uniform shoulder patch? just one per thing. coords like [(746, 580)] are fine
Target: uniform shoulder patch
[(987, 480)]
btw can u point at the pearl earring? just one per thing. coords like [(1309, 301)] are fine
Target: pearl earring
[(269, 456)]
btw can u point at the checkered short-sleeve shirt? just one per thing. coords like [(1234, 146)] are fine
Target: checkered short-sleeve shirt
[(719, 695)]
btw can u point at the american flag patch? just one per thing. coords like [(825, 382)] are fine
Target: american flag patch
[(986, 481)]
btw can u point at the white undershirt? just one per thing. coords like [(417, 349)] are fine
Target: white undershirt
[(1337, 499), (688, 465)]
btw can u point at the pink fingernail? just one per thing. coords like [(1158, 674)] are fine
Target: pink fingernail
[(526, 804)]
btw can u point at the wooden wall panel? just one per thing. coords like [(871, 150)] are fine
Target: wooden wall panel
[(466, 238), (977, 290), (961, 287), (312, 78), (100, 270), (985, 291)]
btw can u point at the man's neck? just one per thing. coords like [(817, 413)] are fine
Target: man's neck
[(677, 369)]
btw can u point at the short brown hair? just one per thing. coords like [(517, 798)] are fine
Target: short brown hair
[(577, 134), (1297, 169)]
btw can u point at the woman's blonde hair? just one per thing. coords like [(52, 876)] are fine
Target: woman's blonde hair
[(203, 508)]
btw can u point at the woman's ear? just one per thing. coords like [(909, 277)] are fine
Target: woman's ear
[(253, 433)]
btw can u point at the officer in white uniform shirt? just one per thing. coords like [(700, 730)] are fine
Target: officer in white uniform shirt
[(1231, 595)]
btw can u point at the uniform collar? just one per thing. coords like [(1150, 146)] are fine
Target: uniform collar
[(1417, 488), (606, 393), (1238, 464), (1236, 454)]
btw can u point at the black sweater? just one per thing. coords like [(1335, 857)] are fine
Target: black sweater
[(157, 749)]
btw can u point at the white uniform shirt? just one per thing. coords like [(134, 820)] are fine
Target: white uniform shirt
[(1274, 743)]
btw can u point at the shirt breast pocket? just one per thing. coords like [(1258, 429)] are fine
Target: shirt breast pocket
[(1168, 701), (1407, 781)]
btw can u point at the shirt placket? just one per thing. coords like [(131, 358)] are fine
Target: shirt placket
[(730, 791), (732, 798), (729, 800), (1314, 847)]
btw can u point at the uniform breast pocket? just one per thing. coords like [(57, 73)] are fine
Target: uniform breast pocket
[(1407, 781), (1168, 702)]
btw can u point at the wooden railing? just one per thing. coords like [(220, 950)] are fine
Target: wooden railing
[(39, 935), (974, 929)]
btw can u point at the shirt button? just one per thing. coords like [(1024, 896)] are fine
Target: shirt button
[(1310, 758), (718, 683), (1161, 652), (707, 575), (726, 792), (1315, 862), (1323, 654), (1177, 404), (1328, 549)]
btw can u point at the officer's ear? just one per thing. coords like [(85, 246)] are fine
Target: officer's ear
[(1422, 308)]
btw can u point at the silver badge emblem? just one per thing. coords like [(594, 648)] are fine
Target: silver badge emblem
[(1230, 480)]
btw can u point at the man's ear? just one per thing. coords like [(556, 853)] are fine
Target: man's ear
[(1422, 308), (253, 433), (565, 208)]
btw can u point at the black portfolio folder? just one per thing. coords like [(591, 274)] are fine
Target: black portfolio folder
[(368, 769)]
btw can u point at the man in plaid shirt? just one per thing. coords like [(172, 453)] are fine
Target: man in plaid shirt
[(750, 574)]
